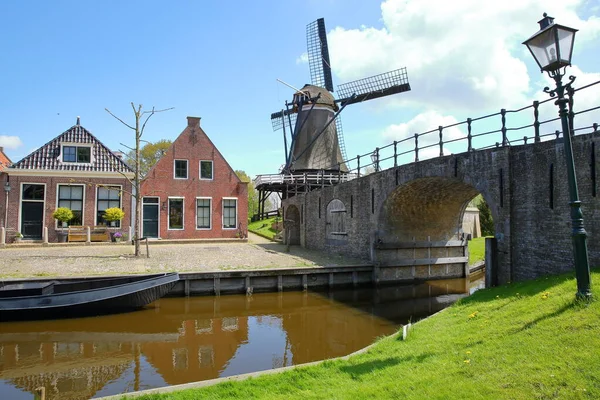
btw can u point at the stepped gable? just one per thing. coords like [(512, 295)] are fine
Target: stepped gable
[(47, 157)]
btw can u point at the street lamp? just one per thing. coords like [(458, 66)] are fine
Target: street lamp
[(552, 48), (375, 159)]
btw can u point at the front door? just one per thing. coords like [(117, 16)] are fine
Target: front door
[(32, 211), (150, 217)]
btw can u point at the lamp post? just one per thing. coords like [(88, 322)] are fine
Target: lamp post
[(375, 159), (552, 48), (7, 190)]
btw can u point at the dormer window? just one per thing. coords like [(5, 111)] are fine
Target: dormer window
[(76, 154)]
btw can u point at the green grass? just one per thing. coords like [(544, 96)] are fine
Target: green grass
[(476, 250), (528, 340), (263, 227)]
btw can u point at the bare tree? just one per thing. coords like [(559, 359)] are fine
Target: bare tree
[(139, 127)]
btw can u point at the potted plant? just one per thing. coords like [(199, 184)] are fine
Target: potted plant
[(63, 215), (18, 237), (117, 236), (112, 215)]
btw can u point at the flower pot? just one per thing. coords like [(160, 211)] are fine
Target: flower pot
[(117, 239), (61, 236)]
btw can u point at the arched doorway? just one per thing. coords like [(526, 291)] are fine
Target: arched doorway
[(292, 225)]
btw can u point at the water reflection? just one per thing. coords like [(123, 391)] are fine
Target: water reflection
[(183, 340)]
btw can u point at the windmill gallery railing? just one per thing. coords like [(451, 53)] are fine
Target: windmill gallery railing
[(462, 133)]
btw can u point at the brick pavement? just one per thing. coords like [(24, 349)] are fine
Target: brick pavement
[(258, 253)]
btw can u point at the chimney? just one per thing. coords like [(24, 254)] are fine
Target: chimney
[(1, 149), (193, 122), (78, 120)]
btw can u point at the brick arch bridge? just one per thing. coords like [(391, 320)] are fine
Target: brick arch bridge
[(409, 215)]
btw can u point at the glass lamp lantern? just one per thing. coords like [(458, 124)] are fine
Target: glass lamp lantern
[(552, 46)]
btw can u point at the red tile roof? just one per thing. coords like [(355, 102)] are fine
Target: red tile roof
[(4, 160)]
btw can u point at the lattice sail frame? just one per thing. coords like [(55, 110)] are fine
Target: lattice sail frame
[(318, 55), (375, 86)]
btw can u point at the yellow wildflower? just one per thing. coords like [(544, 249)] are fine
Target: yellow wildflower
[(467, 361)]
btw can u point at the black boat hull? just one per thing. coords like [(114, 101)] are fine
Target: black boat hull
[(89, 297)]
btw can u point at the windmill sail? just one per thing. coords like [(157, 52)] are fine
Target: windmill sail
[(318, 55)]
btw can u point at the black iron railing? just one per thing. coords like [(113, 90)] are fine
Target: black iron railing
[(399, 152)]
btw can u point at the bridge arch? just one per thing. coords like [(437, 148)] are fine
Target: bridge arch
[(430, 208)]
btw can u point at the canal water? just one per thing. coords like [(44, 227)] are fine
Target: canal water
[(180, 340)]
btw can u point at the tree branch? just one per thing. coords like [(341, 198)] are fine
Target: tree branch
[(130, 148), (119, 119)]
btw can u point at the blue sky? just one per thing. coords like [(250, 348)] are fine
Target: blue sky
[(220, 61)]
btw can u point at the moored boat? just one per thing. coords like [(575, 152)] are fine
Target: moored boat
[(29, 300)]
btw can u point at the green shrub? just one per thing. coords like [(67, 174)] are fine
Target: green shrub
[(113, 214), (62, 214)]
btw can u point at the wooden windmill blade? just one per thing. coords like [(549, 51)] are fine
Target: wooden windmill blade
[(340, 134), (373, 87), (318, 55), (279, 118)]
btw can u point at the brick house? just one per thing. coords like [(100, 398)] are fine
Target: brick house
[(192, 192), (73, 170)]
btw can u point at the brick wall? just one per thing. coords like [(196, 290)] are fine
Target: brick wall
[(427, 199), (50, 202), (194, 145)]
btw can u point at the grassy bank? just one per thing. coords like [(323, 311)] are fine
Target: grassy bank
[(528, 340), (476, 250), (263, 227)]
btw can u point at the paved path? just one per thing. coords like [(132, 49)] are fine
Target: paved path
[(258, 253)]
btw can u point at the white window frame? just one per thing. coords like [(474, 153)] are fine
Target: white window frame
[(104, 186), (58, 185), (209, 213), (212, 170), (76, 145), (169, 213), (223, 213), (187, 168)]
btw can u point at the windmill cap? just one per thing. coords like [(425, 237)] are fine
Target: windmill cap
[(313, 91)]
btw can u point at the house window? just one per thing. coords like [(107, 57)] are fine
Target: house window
[(181, 169), (71, 197), (206, 169), (33, 192), (229, 213), (176, 213), (203, 213), (108, 197), (76, 154)]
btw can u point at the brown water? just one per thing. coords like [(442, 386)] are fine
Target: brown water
[(180, 340)]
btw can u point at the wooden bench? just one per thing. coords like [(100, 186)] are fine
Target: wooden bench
[(78, 233)]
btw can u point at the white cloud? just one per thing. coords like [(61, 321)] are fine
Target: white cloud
[(303, 59), (583, 100), (10, 142), (424, 122), (461, 56)]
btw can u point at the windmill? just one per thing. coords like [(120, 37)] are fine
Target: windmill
[(316, 136)]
